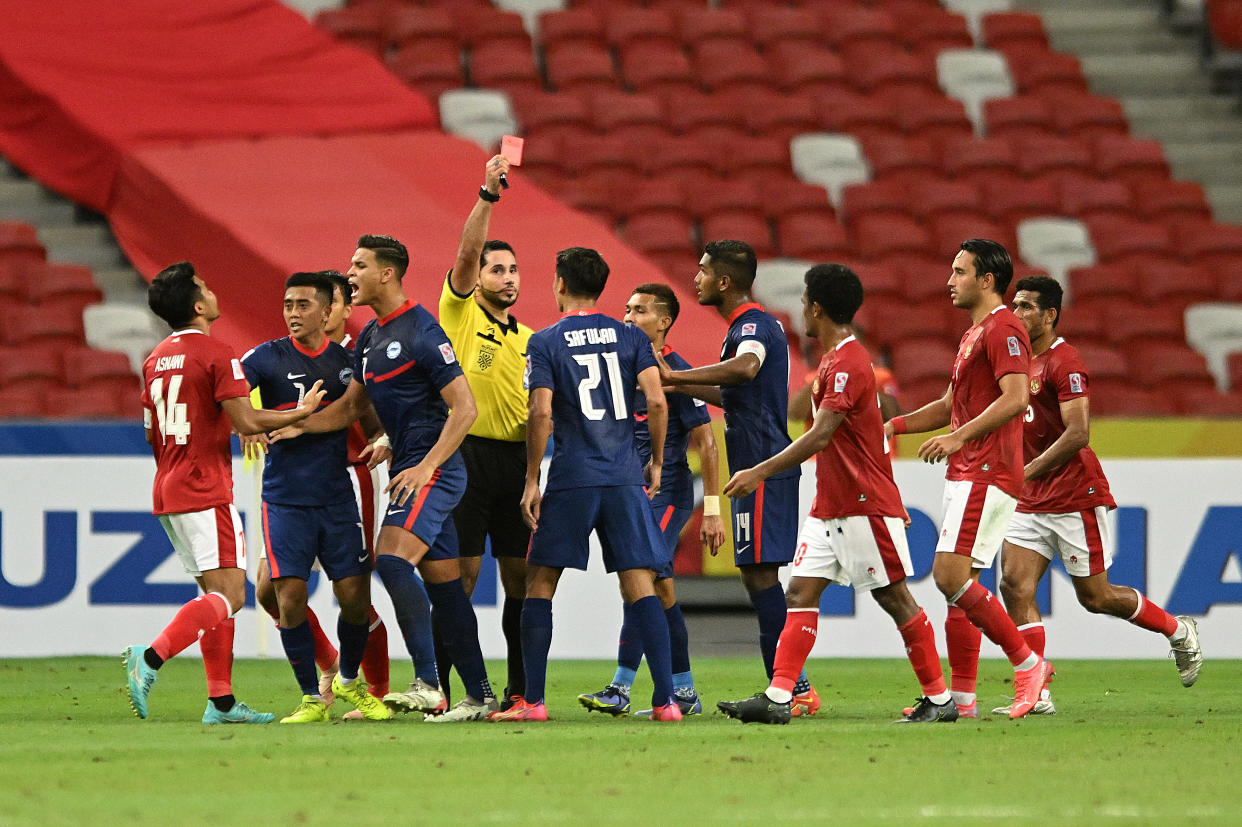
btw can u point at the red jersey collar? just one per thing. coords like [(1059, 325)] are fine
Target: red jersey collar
[(405, 305), (307, 352), (591, 312), (666, 350), (743, 308)]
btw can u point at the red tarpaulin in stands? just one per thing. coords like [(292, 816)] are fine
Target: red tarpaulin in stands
[(83, 82), (248, 213)]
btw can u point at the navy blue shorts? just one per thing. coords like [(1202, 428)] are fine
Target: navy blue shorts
[(765, 524), (670, 520), (429, 516), (620, 514), (297, 534)]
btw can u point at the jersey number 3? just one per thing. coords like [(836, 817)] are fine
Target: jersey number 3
[(590, 361), (170, 414)]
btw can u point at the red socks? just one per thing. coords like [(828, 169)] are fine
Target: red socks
[(375, 657), (325, 652), (962, 640), (921, 650), (1033, 634), (191, 621), (797, 640), (1151, 617), (217, 647), (985, 611)]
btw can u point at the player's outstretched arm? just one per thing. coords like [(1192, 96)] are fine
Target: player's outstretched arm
[(465, 273), (1015, 393), (657, 425), (1075, 413), (340, 414), (735, 371), (711, 529), (247, 420), (744, 482), (538, 431), (931, 417)]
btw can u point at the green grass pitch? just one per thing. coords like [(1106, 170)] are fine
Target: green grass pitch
[(1130, 745)]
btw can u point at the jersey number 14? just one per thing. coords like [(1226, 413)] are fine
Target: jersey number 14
[(169, 413)]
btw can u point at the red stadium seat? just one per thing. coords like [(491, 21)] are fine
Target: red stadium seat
[(1177, 204), (916, 359), (1017, 117), (930, 29), (785, 195), (881, 68), (880, 283), (935, 118), (731, 198), (781, 116), (34, 367), (798, 67), (627, 26), (750, 227), (483, 23), (859, 26), (660, 234), (1129, 321), (1178, 284), (426, 27), (1082, 324), (1209, 402), (1104, 362), (1122, 398), (1215, 246), (1135, 162), (950, 197), (1040, 155), (754, 158), (85, 403), (553, 116), (504, 65), (608, 156), (654, 67), (657, 195), (725, 25), (723, 67), (576, 26), (702, 115), (628, 116), (871, 197), (19, 244), (1088, 116), (1118, 239), (22, 403), (1002, 29), (1020, 200), (877, 236), (590, 195), (1048, 74), (578, 68), (1104, 281), (925, 282), (677, 155), (776, 25), (898, 322), (981, 160), (900, 158), (814, 237), (1235, 370), (54, 327), (1156, 363), (359, 26), (1096, 198), (87, 367), (432, 67)]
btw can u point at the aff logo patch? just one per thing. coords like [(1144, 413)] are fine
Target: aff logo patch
[(446, 353), (1075, 380), (1014, 348), (838, 382), (748, 329)]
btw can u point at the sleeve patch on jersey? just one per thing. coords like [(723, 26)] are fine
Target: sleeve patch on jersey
[(1014, 348), (1075, 382), (446, 352), (526, 374), (839, 382), (699, 403), (238, 373), (748, 329)]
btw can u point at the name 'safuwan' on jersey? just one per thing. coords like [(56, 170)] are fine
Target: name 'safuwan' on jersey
[(591, 363), (311, 469), (685, 413), (493, 356), (405, 360), (756, 413), (184, 380)]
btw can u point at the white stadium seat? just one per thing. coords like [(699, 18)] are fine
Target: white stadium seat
[(830, 160), (530, 11), (1215, 330), (481, 115), (779, 285), (974, 76), (974, 10), (133, 330), (1055, 245)]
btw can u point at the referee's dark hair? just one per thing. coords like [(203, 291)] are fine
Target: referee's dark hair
[(991, 257), (583, 270), (1048, 293), (388, 252), (735, 259), (491, 247), (318, 280), (172, 294), (837, 289), (665, 299)]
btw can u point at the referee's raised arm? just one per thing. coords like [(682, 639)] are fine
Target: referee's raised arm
[(465, 273)]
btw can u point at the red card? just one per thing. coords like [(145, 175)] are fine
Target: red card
[(511, 148)]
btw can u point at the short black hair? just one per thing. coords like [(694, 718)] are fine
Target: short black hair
[(388, 252), (318, 280), (172, 294), (991, 257), (1049, 293), (491, 247), (837, 289), (339, 280), (583, 270), (664, 297), (735, 259)]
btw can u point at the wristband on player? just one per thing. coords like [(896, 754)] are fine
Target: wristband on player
[(381, 442), (491, 197), (899, 424), (711, 505)]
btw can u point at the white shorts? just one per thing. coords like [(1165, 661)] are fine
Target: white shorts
[(368, 485), (1084, 539), (864, 552), (207, 540), (976, 517)]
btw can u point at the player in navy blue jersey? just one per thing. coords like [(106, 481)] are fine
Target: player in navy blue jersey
[(405, 367), (309, 511), (581, 374), (652, 309), (751, 385)]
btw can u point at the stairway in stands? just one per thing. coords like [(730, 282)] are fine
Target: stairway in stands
[(1130, 53)]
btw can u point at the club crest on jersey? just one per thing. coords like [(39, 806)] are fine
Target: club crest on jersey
[(1075, 380), (345, 375), (1014, 348), (838, 382), (748, 329), (1035, 386), (446, 353), (815, 386), (393, 350)]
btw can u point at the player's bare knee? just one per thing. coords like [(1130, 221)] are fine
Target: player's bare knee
[(896, 601), (1017, 591), (265, 595), (664, 590), (802, 594), (758, 578)]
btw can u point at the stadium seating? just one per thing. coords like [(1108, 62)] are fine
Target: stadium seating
[(974, 76), (1056, 245), (481, 115), (1215, 330), (830, 160)]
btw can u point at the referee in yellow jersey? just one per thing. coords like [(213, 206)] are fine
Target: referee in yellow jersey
[(491, 346)]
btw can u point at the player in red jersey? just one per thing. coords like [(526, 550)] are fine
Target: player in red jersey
[(1065, 503), (855, 533), (193, 390), (986, 394)]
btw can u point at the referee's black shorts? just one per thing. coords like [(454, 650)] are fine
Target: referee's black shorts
[(491, 506)]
